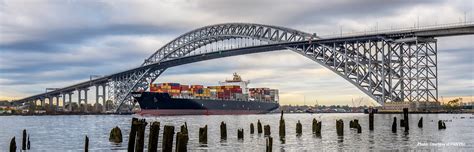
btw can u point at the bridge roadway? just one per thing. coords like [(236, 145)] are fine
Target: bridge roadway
[(463, 29)]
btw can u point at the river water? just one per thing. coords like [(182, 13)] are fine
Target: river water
[(67, 133)]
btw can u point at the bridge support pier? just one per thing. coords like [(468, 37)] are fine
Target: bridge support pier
[(81, 99), (50, 98), (57, 102), (70, 101), (99, 96), (104, 99), (42, 102)]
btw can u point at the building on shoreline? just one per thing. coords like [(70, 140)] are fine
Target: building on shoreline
[(412, 106)]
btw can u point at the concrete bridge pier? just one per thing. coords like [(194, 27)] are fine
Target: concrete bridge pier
[(50, 99), (70, 101), (57, 102), (79, 95), (64, 101), (98, 96)]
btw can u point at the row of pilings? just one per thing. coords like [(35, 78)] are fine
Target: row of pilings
[(136, 142)]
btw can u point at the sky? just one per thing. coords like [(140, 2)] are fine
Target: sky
[(56, 43)]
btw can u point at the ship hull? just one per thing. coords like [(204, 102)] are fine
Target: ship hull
[(152, 103)]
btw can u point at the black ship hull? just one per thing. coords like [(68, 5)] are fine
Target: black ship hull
[(152, 103)]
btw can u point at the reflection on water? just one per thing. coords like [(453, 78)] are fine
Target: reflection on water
[(60, 133)]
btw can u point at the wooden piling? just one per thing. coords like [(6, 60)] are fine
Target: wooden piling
[(23, 142), (394, 125), (13, 145), (115, 135), (28, 146), (240, 134), (251, 128), (133, 134), (313, 126), (86, 145), (140, 139), (259, 127), (402, 123), (181, 141), (269, 144), (371, 119), (153, 136), (223, 131), (281, 130), (167, 143), (405, 119), (359, 128), (266, 130), (339, 127), (299, 128), (317, 128), (184, 130), (203, 135), (420, 123)]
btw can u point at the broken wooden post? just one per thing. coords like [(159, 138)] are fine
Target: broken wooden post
[(115, 135), (394, 125), (203, 135), (340, 127), (371, 119), (153, 136), (259, 127), (182, 139), (133, 134), (359, 128), (240, 134), (223, 131), (13, 145), (420, 123), (23, 142), (318, 128), (281, 130), (299, 128), (140, 139), (28, 144), (313, 127), (251, 128), (266, 130), (269, 144), (168, 133), (405, 119), (86, 145)]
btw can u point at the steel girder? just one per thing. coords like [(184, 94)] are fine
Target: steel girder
[(386, 70), (123, 85)]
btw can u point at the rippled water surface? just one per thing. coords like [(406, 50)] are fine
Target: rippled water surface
[(61, 133)]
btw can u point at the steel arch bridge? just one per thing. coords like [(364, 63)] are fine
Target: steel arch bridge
[(388, 66)]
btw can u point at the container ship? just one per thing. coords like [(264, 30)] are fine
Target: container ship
[(229, 97)]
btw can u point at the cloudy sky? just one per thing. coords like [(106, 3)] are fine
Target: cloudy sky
[(55, 43)]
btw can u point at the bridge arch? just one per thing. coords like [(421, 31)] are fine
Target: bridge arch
[(377, 65)]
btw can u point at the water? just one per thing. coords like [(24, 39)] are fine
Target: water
[(67, 133)]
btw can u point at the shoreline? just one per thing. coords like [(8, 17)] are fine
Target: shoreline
[(61, 114)]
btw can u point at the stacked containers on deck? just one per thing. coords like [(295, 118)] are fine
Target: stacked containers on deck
[(227, 92), (185, 92), (264, 94), (174, 89)]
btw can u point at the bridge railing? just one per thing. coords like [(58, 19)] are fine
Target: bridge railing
[(393, 30)]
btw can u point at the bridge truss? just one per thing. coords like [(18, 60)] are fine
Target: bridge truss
[(389, 67)]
